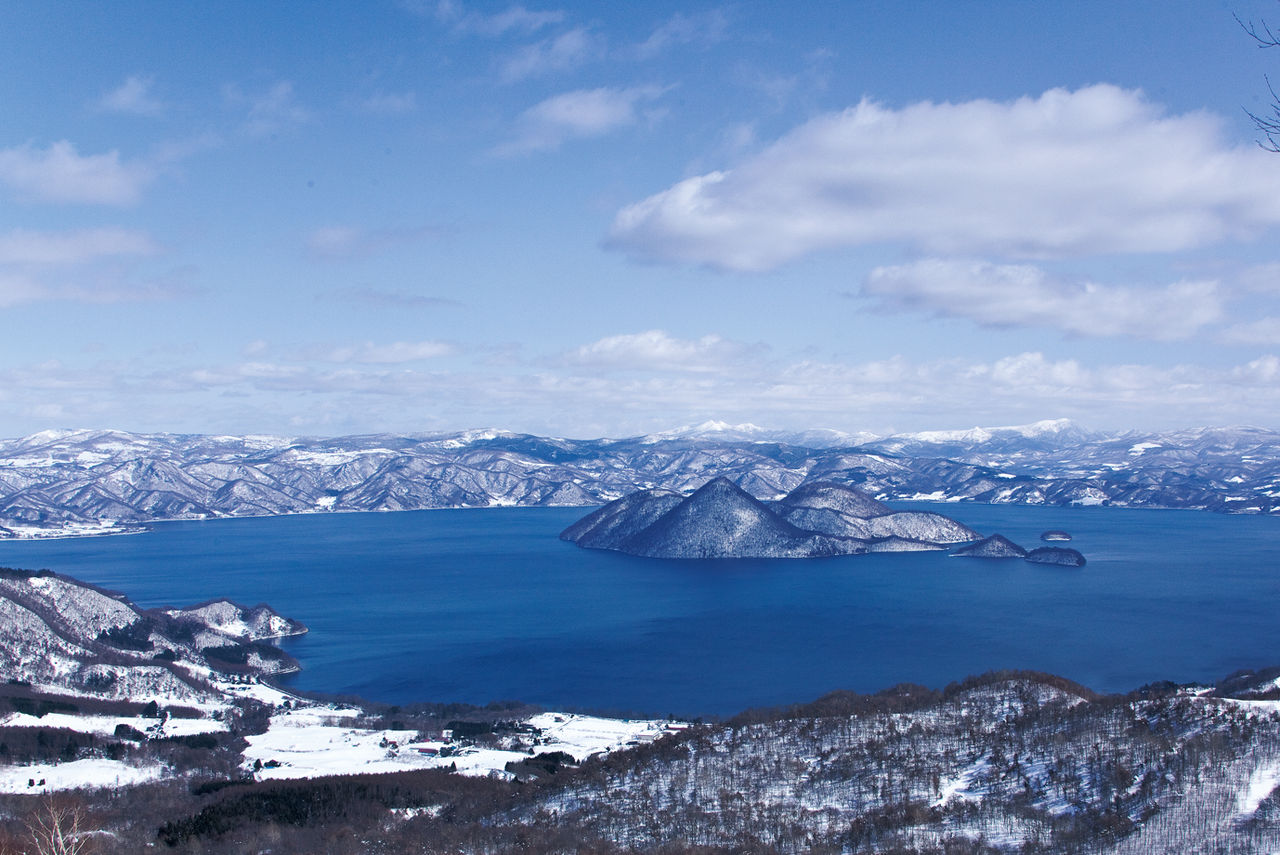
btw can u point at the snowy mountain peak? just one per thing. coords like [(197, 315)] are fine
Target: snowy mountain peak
[(51, 435), (720, 431), (708, 429), (1046, 426), (975, 434), (714, 426), (464, 438), (1045, 431)]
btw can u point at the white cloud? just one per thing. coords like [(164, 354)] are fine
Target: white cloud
[(575, 115), (1264, 331), (17, 288), (1006, 295), (390, 103), (1019, 387), (579, 399), (704, 28), (1030, 371), (27, 247), (1262, 278), (1097, 170), (516, 19), (268, 112), (335, 241), (86, 265), (654, 350), (1263, 370), (399, 351), (342, 242), (133, 96), (558, 53), (388, 299), (60, 174)]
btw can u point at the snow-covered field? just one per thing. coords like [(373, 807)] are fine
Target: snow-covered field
[(72, 529), (105, 725), (315, 741), (91, 773), (306, 739)]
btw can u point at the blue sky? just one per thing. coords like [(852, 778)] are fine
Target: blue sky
[(590, 219)]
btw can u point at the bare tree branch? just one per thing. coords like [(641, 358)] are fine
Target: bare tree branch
[(59, 829), (1267, 124), (1261, 32)]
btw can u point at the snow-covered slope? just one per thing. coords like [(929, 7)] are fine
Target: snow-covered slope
[(720, 520), (238, 622), (622, 518), (995, 546), (997, 764), (64, 636)]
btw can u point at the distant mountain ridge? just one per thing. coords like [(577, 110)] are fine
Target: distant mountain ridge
[(90, 481)]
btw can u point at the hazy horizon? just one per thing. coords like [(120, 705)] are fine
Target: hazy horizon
[(707, 429)]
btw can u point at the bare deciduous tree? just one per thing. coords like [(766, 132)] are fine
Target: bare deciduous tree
[(59, 828), (1268, 124)]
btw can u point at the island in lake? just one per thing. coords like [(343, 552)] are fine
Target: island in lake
[(816, 520), (721, 520)]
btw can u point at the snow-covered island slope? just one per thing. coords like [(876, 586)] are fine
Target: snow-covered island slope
[(995, 546), (999, 546), (64, 483), (721, 520)]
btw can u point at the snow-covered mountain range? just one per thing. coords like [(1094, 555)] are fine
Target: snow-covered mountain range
[(88, 481)]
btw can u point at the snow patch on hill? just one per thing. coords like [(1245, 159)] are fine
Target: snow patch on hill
[(94, 773), (1262, 783), (311, 741)]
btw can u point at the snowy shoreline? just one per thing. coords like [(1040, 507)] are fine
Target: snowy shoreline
[(68, 531)]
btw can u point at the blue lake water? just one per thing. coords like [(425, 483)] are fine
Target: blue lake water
[(481, 605)]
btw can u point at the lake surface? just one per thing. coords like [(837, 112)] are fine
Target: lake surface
[(481, 605)]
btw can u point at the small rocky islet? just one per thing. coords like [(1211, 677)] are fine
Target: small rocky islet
[(995, 546), (999, 546), (817, 519), (1056, 555)]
